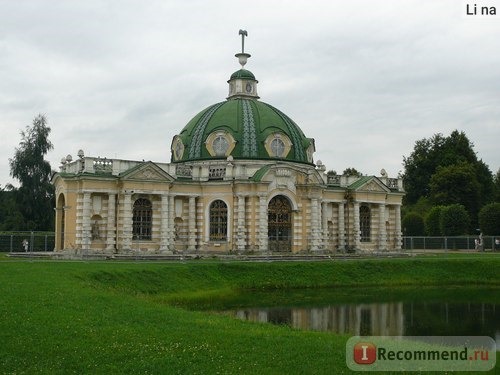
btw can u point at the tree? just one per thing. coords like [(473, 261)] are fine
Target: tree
[(432, 221), (35, 196), (496, 197), (489, 219), (10, 217), (454, 220), (413, 225), (352, 172), (456, 183), (440, 151)]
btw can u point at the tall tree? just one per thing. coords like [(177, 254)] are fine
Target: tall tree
[(35, 196), (456, 183), (496, 187), (439, 151)]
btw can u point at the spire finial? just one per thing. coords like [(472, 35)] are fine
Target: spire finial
[(242, 56), (243, 34)]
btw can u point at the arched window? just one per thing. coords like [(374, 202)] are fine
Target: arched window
[(142, 219), (364, 223), (218, 221)]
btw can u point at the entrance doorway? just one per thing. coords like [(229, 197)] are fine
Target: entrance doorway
[(279, 224)]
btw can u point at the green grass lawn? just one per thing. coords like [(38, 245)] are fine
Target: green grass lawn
[(121, 317)]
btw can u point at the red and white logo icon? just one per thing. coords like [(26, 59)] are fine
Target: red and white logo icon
[(365, 353)]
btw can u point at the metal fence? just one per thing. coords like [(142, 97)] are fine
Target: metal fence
[(468, 243), (26, 241), (45, 241)]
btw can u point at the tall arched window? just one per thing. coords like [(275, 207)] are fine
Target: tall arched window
[(364, 223), (218, 221), (142, 219)]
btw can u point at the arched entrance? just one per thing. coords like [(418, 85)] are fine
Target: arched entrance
[(279, 224)]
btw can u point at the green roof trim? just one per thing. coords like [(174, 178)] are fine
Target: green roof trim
[(357, 184), (257, 177)]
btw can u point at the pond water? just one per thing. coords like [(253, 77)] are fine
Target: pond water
[(398, 318)]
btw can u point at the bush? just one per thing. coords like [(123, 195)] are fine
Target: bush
[(489, 219), (454, 220), (413, 225), (432, 221)]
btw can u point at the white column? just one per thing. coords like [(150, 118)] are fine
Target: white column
[(263, 231), (192, 224), (171, 222), (315, 222), (357, 233), (164, 226), (111, 224), (86, 224), (341, 227), (241, 240), (127, 221), (398, 227), (324, 224), (382, 237)]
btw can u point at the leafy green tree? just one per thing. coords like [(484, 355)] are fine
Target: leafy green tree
[(454, 220), (440, 151), (432, 221), (496, 187), (413, 225), (420, 166), (456, 183), (10, 217), (352, 172), (489, 219), (35, 196)]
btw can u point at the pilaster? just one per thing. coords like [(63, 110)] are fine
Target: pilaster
[(86, 224), (341, 227), (111, 224), (382, 243), (241, 238), (192, 224), (127, 221), (357, 232), (263, 230)]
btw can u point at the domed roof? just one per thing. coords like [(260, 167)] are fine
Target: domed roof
[(244, 129), (243, 74)]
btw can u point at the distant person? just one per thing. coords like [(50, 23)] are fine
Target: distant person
[(25, 244)]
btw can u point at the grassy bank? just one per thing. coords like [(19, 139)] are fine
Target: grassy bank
[(63, 317)]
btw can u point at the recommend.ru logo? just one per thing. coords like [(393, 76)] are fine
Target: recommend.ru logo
[(421, 353)]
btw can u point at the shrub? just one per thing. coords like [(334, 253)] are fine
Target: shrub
[(432, 221), (413, 224), (454, 220), (489, 219)]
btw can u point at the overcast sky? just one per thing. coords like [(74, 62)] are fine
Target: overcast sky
[(366, 79)]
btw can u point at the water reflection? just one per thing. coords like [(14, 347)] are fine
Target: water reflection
[(380, 319), (386, 319)]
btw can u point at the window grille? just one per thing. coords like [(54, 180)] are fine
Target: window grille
[(218, 221), (365, 223), (142, 219)]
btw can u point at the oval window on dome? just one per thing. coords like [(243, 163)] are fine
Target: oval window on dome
[(177, 148), (220, 144), (278, 145)]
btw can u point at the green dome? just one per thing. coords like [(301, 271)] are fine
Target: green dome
[(248, 128), (242, 74)]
